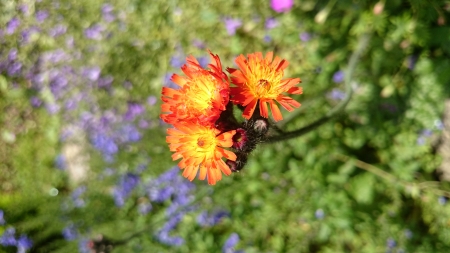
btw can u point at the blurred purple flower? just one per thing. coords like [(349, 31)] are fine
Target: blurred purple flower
[(439, 124), (391, 243), (281, 5), (105, 82), (165, 238), (129, 133), (423, 136), (94, 32), (2, 218), (92, 73), (151, 100), (198, 44), (104, 143), (27, 33), (125, 186), (336, 94), (83, 246), (232, 24), (52, 108), (35, 101), (60, 162), (319, 214), (14, 68), (24, 9), (57, 30), (177, 61), (41, 15), (271, 23), (76, 196), (8, 237), (134, 110), (23, 244), (12, 55), (70, 232), (304, 36), (267, 38), (230, 243), (107, 9), (412, 59), (12, 25), (338, 76), (204, 219), (144, 208), (442, 200), (203, 61)]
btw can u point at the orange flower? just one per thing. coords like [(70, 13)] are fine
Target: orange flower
[(203, 95), (201, 148), (260, 79)]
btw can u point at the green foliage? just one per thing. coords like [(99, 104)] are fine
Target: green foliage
[(351, 185)]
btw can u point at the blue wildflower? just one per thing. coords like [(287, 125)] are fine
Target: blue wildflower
[(8, 237), (320, 214), (338, 77), (23, 244), (230, 243), (126, 185), (12, 25), (336, 94), (271, 23), (70, 232), (305, 37), (104, 144), (204, 219), (232, 24), (391, 243), (2, 218)]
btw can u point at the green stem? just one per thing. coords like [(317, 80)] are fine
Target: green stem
[(362, 44)]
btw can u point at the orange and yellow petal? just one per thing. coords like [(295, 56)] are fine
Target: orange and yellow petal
[(202, 96), (201, 150), (259, 79)]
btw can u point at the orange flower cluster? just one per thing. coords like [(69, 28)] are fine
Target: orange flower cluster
[(201, 111)]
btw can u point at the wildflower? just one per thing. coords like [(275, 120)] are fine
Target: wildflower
[(232, 24), (201, 148), (281, 5), (320, 214), (2, 218), (230, 243), (23, 244), (259, 79), (202, 97), (304, 36), (338, 77)]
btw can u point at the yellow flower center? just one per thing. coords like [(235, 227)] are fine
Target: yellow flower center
[(201, 92), (206, 142), (263, 79)]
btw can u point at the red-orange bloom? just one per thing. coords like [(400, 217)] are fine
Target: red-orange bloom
[(202, 96), (201, 149), (260, 79)]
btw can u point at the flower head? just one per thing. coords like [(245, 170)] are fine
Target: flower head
[(203, 95), (259, 79), (201, 149)]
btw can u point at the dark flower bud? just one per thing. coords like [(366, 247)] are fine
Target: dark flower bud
[(240, 138)]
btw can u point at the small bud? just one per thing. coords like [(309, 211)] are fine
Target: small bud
[(232, 165), (261, 126), (240, 138)]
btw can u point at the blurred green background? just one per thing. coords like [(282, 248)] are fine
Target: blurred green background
[(84, 166)]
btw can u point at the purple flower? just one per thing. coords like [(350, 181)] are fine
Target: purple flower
[(14, 68), (165, 238), (12, 55), (58, 30), (83, 246), (70, 232), (338, 77), (304, 36), (230, 243), (94, 32), (336, 94), (12, 25), (271, 23), (129, 133), (232, 24), (92, 73), (320, 214), (198, 44), (134, 109), (8, 237), (60, 162), (442, 200), (281, 5), (203, 61), (108, 16), (24, 9), (390, 243), (41, 16), (144, 208), (2, 218), (267, 38), (204, 219), (76, 196), (151, 100), (423, 136), (126, 185), (23, 244), (104, 144), (105, 82), (177, 61), (27, 33), (35, 101)]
